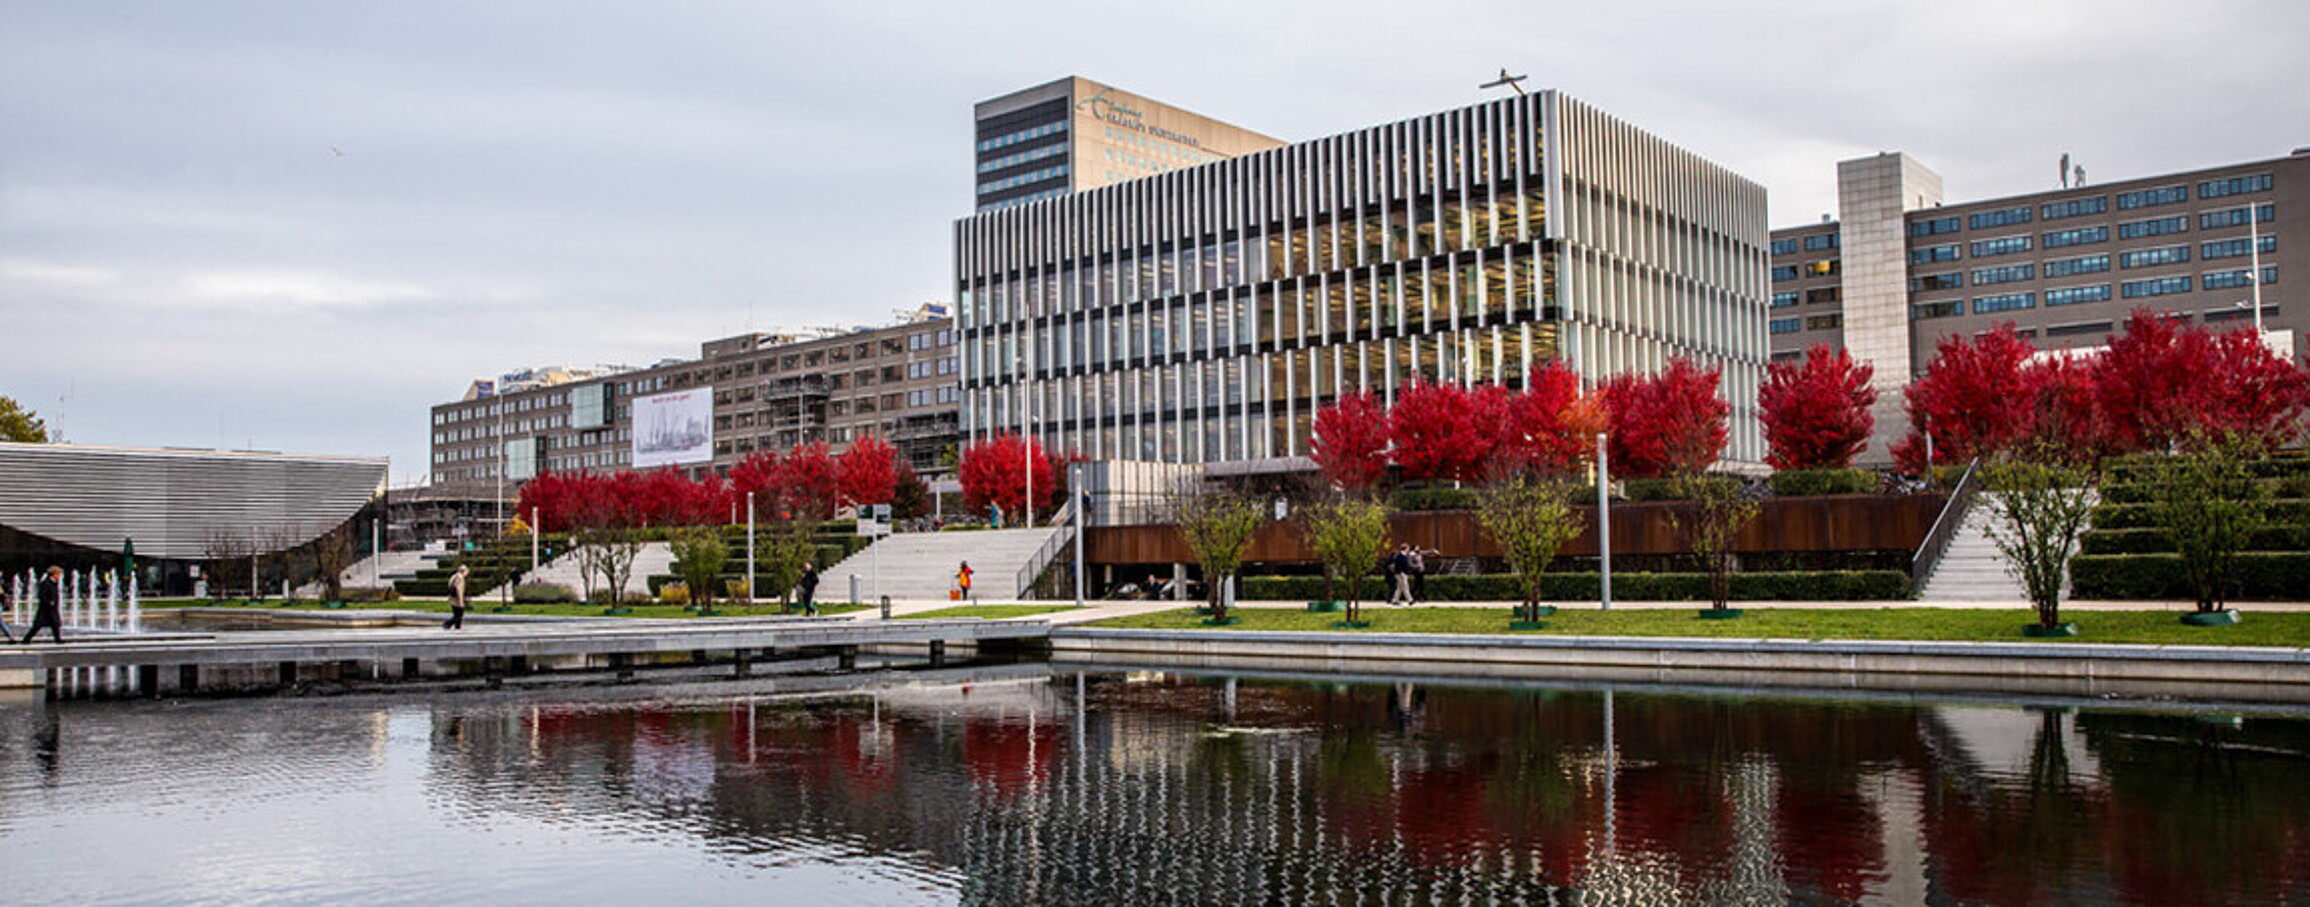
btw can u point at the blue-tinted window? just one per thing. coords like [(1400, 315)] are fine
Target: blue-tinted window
[(1784, 325), (2154, 227), (1785, 246), (1934, 226), (2162, 255), (2083, 264), (2077, 237), (1925, 310), (1817, 242), (1023, 135), (1999, 218), (1933, 254), (1784, 299), (2003, 245), (1925, 282), (2242, 277), (2143, 198), (1783, 272), (2236, 185), (2075, 207), (2156, 286), (2235, 248), (2003, 302), (2006, 274), (2074, 295), (2235, 217)]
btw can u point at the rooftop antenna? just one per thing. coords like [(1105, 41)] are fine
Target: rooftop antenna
[(1508, 80), (2064, 170)]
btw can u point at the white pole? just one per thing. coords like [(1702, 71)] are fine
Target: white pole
[(1075, 487), (535, 529), (2254, 248), (1604, 520), (749, 548), (135, 612), (376, 550), (112, 600)]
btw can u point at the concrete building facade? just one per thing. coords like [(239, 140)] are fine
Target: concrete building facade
[(1901, 268), (1075, 134), (1204, 314), (769, 392)]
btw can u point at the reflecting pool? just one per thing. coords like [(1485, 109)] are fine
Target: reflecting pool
[(1026, 787)]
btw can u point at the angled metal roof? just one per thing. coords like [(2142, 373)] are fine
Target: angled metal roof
[(170, 502)]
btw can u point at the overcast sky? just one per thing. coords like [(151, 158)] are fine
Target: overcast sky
[(297, 225)]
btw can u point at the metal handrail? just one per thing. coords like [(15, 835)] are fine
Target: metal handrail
[(1945, 526), (1043, 558)]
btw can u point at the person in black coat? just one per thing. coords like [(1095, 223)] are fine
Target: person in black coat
[(50, 612), (808, 587)]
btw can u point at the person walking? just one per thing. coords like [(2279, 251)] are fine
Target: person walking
[(962, 580), (50, 612), (1418, 562), (806, 589), (456, 619), (5, 603), (1400, 573)]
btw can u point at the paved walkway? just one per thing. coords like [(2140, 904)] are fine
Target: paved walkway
[(1103, 610)]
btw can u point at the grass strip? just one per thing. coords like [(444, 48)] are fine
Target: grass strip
[(990, 612), (2279, 629)]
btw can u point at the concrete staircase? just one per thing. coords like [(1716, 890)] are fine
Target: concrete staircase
[(1973, 570), (921, 565), (654, 558), (390, 566)]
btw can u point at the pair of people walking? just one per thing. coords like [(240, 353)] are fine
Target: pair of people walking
[(49, 609), (1406, 570)]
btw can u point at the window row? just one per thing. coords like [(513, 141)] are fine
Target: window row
[(1022, 135)]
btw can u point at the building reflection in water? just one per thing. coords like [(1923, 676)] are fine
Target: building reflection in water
[(1156, 788)]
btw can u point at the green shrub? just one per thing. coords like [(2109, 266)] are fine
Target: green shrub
[(1652, 490), (2261, 576), (1433, 498), (370, 594), (1835, 585), (2148, 540), (674, 593), (2140, 516), (543, 593), (1802, 482)]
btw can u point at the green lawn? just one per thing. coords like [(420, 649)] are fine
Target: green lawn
[(2285, 629), (490, 606), (990, 612)]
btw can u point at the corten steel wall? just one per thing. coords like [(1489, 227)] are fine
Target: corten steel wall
[(1826, 523)]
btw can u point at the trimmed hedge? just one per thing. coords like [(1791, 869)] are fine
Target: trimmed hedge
[(1840, 585), (1652, 490), (543, 593), (2143, 516), (2152, 540), (2260, 576), (1430, 498), (1804, 482)]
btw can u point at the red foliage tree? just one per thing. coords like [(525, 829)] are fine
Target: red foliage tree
[(550, 500), (2160, 383), (1552, 426), (2064, 420), (994, 472), (757, 474), (1973, 399), (869, 470), (808, 481), (1816, 412), (1665, 423), (1435, 433), (1350, 442)]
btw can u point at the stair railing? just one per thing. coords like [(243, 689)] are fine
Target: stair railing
[(1043, 557), (1928, 556)]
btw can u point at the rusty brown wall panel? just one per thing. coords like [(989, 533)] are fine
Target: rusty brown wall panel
[(1826, 523)]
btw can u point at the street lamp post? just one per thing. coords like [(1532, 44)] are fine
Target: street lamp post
[(2254, 272)]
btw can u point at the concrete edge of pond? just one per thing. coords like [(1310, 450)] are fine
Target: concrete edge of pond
[(2109, 671)]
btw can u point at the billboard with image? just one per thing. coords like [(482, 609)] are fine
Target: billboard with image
[(675, 428)]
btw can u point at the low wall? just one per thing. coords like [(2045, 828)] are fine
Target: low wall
[(2198, 673)]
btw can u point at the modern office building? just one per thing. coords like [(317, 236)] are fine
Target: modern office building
[(742, 394), (1900, 268), (1204, 314), (1076, 134), (82, 506)]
